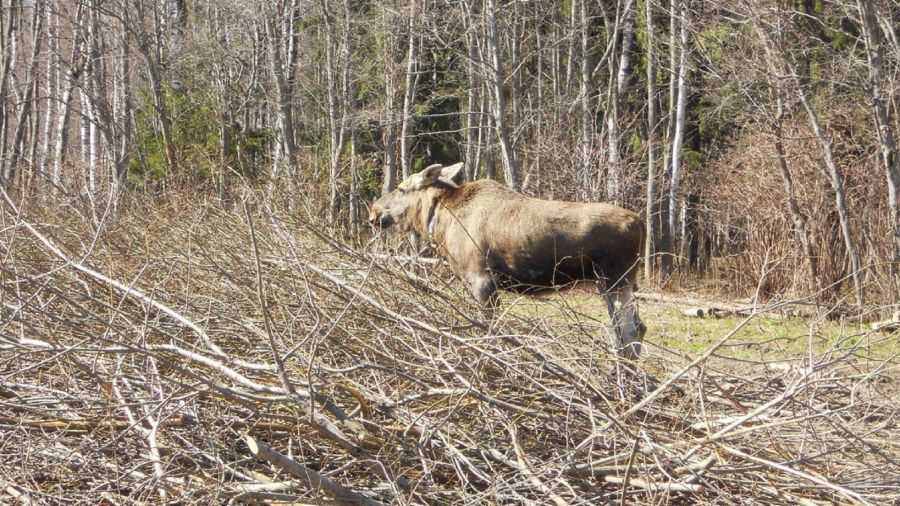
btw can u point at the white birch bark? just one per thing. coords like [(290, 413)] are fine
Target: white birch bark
[(26, 104), (278, 36), (51, 82), (651, 143), (680, 120), (76, 67), (617, 98), (881, 113), (665, 232), (389, 130), (10, 42), (335, 123), (498, 102), (412, 83)]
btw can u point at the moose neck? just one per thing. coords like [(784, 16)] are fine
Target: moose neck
[(441, 191)]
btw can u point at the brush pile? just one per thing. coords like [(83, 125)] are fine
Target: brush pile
[(199, 353)]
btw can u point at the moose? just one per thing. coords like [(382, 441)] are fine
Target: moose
[(492, 236)]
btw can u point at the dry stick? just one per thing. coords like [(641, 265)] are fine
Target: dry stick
[(695, 468), (525, 468), (612, 420), (662, 388), (314, 480), (267, 318), (702, 358), (325, 426), (82, 425), (317, 419), (654, 486), (628, 469), (270, 486), (18, 495), (149, 434), (849, 494), (789, 392), (126, 290)]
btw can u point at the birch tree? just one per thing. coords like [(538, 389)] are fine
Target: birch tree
[(665, 247), (623, 36), (803, 236), (473, 119), (282, 51), (881, 113), (26, 102), (390, 22), (10, 42), (412, 83), (680, 119), (141, 21), (651, 142), (496, 77)]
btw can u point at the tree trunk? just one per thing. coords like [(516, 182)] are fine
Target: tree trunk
[(470, 163), (10, 41), (801, 230), (354, 186), (177, 20), (389, 131), (348, 125), (335, 113), (122, 117), (617, 98), (665, 248), (575, 19), (584, 99), (412, 83), (881, 113), (680, 120), (284, 150), (162, 111), (838, 187), (51, 79), (26, 104), (651, 144), (539, 120), (497, 78)]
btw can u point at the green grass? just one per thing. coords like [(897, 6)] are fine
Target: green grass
[(668, 328)]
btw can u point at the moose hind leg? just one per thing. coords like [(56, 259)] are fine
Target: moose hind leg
[(627, 324)]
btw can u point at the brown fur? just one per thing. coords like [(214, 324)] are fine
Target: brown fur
[(490, 235), (485, 227)]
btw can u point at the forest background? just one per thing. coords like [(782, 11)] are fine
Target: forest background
[(756, 138)]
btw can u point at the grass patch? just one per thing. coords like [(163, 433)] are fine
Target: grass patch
[(763, 339)]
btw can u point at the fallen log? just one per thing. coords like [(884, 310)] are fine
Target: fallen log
[(886, 326), (699, 308), (694, 312)]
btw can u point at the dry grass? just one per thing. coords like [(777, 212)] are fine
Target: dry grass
[(190, 351)]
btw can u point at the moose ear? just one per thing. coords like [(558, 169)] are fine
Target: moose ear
[(454, 173), (430, 175)]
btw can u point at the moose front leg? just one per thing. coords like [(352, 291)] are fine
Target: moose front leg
[(628, 326)]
